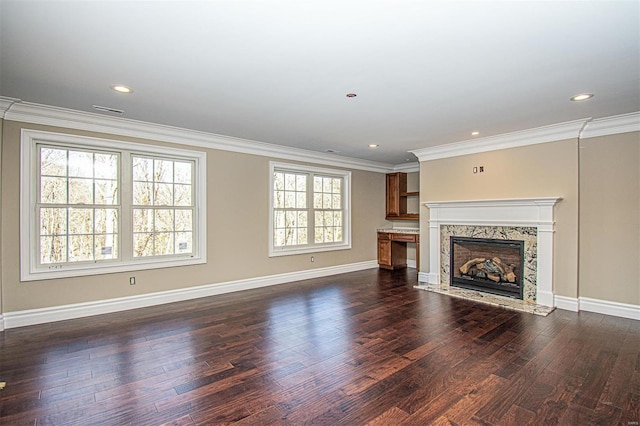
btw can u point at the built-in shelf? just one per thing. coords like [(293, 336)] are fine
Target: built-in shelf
[(397, 198)]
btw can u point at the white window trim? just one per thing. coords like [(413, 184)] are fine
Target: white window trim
[(28, 217), (346, 232)]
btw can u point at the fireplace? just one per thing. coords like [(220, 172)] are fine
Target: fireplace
[(528, 219), (490, 265)]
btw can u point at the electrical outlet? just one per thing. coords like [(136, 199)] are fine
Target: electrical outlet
[(312, 259), (475, 170), (481, 169), (132, 280)]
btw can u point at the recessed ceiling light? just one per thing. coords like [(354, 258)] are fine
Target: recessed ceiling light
[(351, 95), (582, 97), (121, 89), (475, 133), (373, 146)]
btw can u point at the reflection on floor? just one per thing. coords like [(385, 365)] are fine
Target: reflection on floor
[(491, 299)]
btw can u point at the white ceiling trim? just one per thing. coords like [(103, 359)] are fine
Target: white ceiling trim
[(15, 110), (5, 104), (612, 125), (27, 112), (407, 167), (552, 133)]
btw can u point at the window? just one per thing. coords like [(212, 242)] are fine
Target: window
[(163, 209), (93, 206), (78, 205), (309, 209)]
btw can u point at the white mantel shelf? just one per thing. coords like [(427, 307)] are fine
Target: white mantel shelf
[(499, 212), (499, 201), (531, 212)]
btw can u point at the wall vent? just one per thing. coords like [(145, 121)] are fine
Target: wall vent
[(108, 109)]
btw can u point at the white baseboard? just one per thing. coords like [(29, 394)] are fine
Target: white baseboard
[(79, 310), (573, 304), (567, 303), (599, 306), (545, 298), (608, 307), (428, 277)]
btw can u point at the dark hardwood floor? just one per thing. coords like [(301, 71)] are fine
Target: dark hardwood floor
[(353, 349)]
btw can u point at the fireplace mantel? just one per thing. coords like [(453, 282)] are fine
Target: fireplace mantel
[(530, 212)]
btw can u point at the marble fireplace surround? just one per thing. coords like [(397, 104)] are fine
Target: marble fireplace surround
[(505, 216)]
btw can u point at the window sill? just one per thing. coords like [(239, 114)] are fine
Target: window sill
[(136, 265), (306, 250)]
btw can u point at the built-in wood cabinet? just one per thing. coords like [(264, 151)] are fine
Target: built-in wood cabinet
[(396, 204), (384, 251), (392, 243), (392, 249)]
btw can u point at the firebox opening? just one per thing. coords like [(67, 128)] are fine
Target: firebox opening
[(492, 266)]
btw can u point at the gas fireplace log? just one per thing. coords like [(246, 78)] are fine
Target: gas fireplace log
[(494, 278), (492, 269), (510, 276), (464, 269), (498, 263)]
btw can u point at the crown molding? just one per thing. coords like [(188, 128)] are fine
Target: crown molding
[(15, 110), (552, 133), (6, 103), (407, 167), (28, 112), (612, 125)]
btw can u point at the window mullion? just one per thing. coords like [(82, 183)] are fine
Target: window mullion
[(195, 217), (311, 218), (68, 206), (125, 233)]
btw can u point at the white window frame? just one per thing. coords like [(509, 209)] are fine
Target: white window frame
[(29, 221), (311, 247)]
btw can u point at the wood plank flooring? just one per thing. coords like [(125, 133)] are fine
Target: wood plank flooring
[(352, 349)]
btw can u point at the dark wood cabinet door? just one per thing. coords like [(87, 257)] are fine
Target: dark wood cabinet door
[(384, 252)]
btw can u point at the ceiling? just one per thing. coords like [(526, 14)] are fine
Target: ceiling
[(425, 73)]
